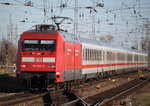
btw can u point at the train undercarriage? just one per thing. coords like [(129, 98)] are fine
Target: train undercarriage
[(37, 80), (47, 80)]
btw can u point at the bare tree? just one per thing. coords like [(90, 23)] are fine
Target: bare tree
[(7, 52), (145, 44)]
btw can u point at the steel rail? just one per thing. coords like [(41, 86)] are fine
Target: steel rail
[(20, 99), (108, 100), (99, 102)]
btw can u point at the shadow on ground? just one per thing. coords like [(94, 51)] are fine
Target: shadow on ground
[(8, 84)]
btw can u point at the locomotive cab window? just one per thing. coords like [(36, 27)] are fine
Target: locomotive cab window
[(39, 45)]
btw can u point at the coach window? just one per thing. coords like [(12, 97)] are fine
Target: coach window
[(119, 56), (142, 58), (87, 54), (104, 55), (107, 56), (123, 56), (93, 55), (97, 52), (96, 55), (90, 54), (111, 56), (138, 57), (146, 57), (83, 54), (114, 56), (99, 55)]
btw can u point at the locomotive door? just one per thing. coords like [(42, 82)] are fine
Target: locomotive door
[(77, 61), (72, 61), (68, 72)]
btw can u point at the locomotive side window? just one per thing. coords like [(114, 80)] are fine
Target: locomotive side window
[(39, 45)]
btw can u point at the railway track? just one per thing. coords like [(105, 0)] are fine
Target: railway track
[(69, 98), (19, 98), (106, 97)]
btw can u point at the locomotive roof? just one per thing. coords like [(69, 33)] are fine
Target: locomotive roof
[(67, 36), (43, 31), (43, 28), (103, 44)]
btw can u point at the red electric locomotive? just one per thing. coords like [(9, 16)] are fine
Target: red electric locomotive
[(46, 56)]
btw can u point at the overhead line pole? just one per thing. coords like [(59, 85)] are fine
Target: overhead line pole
[(76, 18)]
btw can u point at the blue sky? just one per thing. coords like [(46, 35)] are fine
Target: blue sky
[(122, 19)]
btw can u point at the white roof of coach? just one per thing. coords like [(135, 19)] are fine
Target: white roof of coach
[(108, 46)]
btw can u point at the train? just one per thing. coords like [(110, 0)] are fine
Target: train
[(48, 57)]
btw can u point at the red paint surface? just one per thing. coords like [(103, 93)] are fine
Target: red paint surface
[(109, 65)]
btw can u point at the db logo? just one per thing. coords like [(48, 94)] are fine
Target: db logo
[(38, 60)]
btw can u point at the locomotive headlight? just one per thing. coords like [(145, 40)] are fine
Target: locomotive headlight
[(25, 65), (51, 66)]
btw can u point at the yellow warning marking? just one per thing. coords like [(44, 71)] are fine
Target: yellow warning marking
[(140, 73)]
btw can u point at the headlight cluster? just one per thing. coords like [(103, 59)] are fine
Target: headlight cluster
[(51, 66), (25, 65)]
